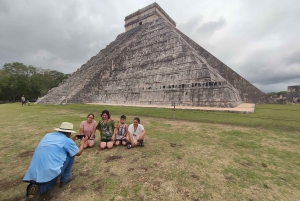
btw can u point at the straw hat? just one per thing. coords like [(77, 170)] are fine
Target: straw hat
[(65, 127)]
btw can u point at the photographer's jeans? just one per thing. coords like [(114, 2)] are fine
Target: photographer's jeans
[(65, 174)]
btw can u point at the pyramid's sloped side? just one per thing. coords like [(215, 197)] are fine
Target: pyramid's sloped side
[(75, 84), (248, 92), (156, 66)]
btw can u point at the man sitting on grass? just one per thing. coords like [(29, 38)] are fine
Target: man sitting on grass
[(136, 134), (53, 158)]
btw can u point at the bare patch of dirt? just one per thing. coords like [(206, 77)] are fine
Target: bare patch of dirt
[(48, 196), (134, 160), (83, 188), (112, 174), (99, 185), (25, 154), (282, 178), (186, 193), (112, 158), (107, 169), (172, 144), (130, 169), (22, 197), (144, 168), (195, 176), (247, 164), (7, 146), (6, 185), (84, 174), (230, 178), (264, 165)]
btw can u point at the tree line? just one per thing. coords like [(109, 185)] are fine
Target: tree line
[(283, 93), (17, 79)]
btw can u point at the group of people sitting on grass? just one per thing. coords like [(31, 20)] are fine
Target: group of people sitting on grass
[(54, 156), (111, 132)]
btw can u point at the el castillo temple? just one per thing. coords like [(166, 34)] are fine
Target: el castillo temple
[(153, 63)]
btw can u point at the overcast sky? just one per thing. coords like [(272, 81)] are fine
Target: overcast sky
[(259, 39)]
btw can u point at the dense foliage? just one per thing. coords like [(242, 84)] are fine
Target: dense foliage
[(283, 93), (17, 79)]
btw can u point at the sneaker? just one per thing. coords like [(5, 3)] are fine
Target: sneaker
[(64, 183), (141, 143), (128, 146), (33, 192)]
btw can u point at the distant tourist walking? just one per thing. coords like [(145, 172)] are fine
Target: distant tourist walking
[(107, 127), (121, 131), (23, 100), (53, 158), (88, 128), (136, 134)]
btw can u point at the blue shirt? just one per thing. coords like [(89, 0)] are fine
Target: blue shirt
[(49, 157)]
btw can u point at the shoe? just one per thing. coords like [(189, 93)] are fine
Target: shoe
[(33, 192), (128, 146), (141, 143), (65, 182)]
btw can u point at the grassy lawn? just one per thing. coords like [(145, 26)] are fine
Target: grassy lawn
[(198, 155)]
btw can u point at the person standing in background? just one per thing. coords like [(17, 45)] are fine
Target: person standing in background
[(23, 100)]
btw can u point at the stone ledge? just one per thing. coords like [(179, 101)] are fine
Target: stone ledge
[(243, 108)]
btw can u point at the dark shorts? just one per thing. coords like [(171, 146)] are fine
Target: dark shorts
[(106, 140)]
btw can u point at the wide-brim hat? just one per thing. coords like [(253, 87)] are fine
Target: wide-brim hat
[(65, 127)]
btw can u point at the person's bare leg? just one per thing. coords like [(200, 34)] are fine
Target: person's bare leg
[(91, 143), (134, 143), (117, 143), (110, 144), (129, 138), (124, 142), (103, 145), (85, 144)]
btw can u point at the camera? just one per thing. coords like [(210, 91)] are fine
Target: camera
[(80, 136)]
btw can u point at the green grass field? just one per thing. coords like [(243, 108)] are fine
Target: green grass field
[(197, 155)]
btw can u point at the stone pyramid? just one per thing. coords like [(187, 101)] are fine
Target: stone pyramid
[(152, 62)]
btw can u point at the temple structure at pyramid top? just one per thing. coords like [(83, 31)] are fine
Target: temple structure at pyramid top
[(153, 62), (147, 14)]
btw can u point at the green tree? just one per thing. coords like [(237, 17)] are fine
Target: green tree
[(30, 81), (271, 94), (4, 81), (281, 93)]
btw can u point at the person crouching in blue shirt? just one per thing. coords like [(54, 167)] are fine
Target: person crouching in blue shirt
[(53, 158)]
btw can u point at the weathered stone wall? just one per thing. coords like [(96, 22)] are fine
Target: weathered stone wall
[(73, 88), (248, 92), (293, 89), (293, 94), (147, 14), (157, 67)]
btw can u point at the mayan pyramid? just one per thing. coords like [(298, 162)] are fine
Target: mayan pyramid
[(153, 63)]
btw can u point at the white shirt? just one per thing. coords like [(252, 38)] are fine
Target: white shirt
[(136, 133)]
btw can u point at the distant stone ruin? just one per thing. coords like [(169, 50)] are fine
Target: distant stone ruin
[(152, 62), (293, 94)]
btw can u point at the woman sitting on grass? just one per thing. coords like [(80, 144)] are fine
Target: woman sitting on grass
[(107, 127), (88, 128), (136, 134), (121, 131)]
